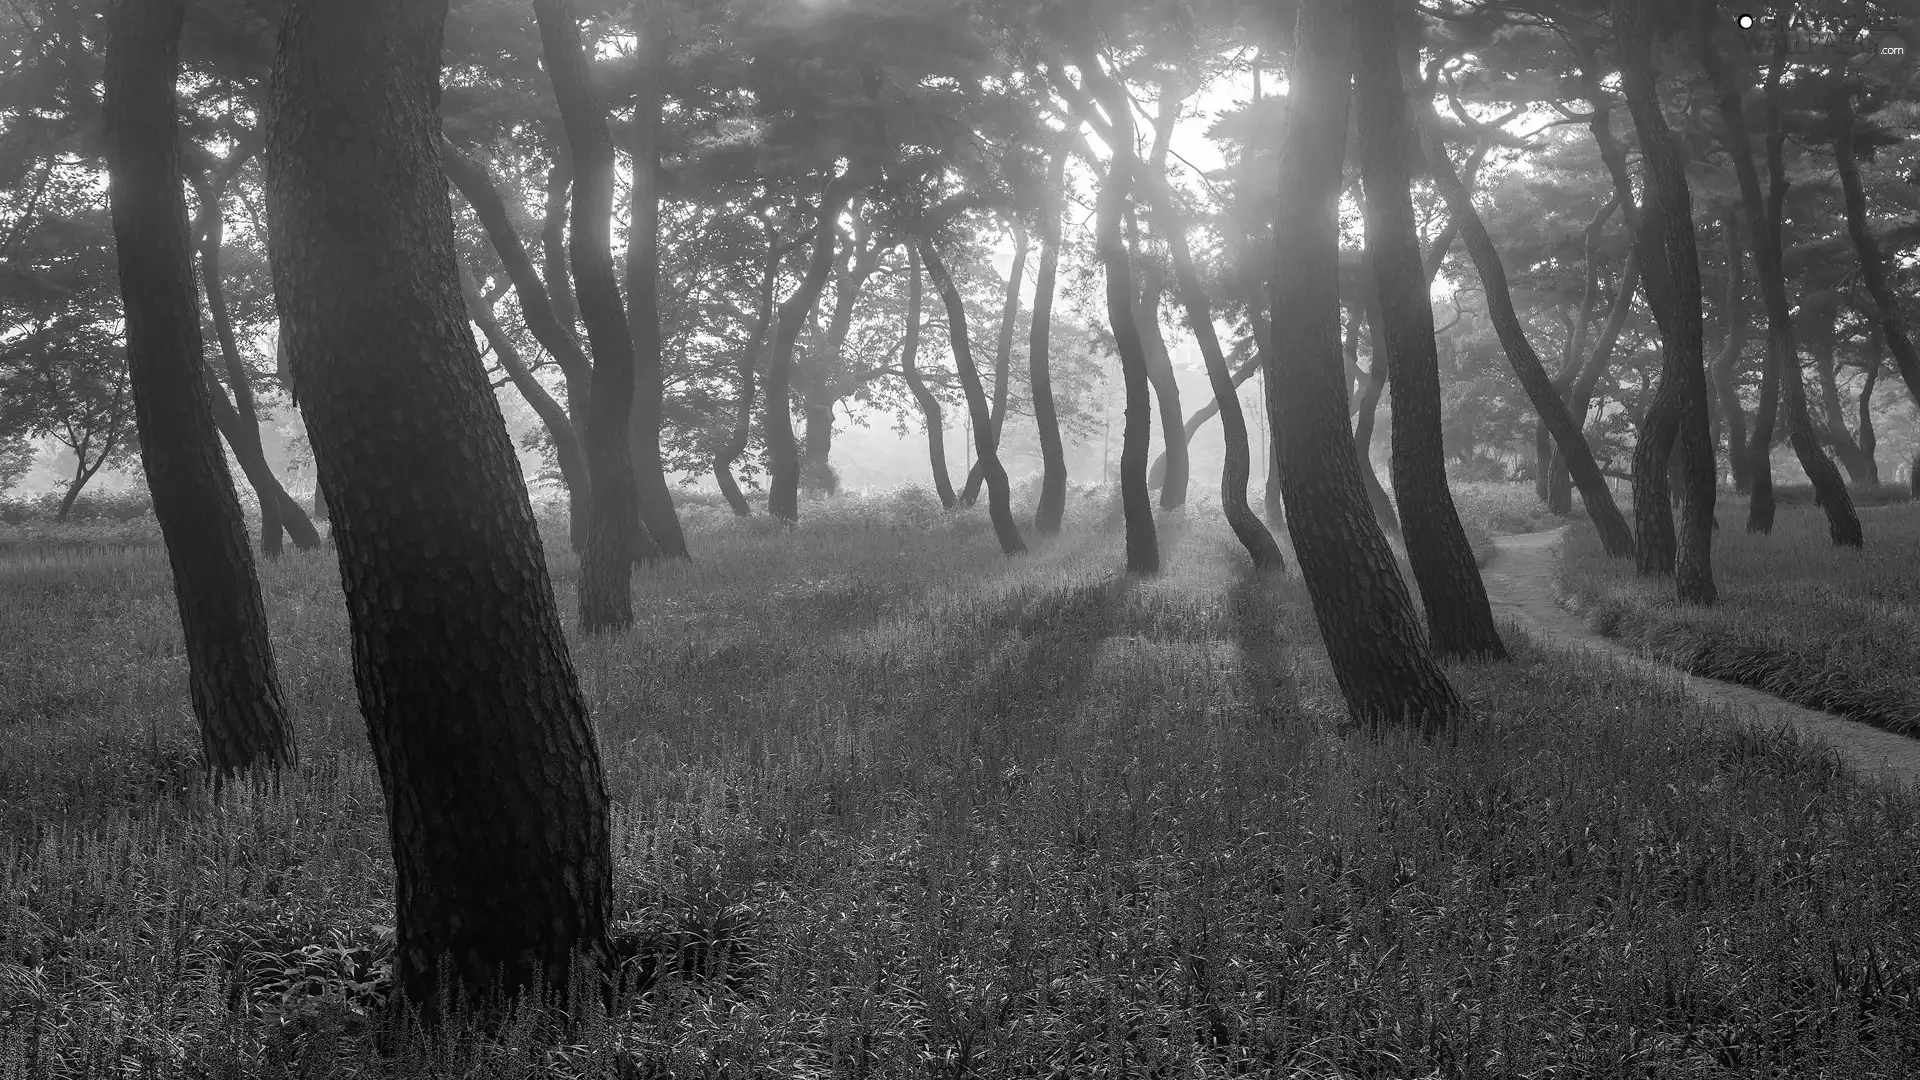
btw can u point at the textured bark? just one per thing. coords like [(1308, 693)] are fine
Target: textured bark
[(643, 284), (1053, 455), (1683, 353), (1459, 617), (1615, 537), (1764, 226), (1002, 355), (736, 442), (999, 498), (1246, 525), (1726, 384), (783, 453), (1873, 265), (1136, 498), (615, 535), (496, 805), (929, 404), (1365, 613), (230, 669), (567, 451)]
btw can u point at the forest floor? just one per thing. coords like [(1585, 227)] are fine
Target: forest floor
[(969, 816)]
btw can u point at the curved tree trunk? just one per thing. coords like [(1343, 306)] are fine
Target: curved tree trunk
[(783, 452), (1822, 345), (553, 256), (496, 804), (616, 537), (230, 669), (567, 451), (929, 404), (1366, 410), (1866, 439), (649, 27), (1002, 355), (1136, 498), (1176, 470), (1612, 527), (1764, 226), (1553, 483), (278, 511), (1246, 525), (1053, 454), (1365, 613), (1684, 352), (999, 498), (1459, 617), (736, 442)]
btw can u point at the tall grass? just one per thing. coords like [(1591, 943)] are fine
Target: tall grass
[(1830, 628), (967, 816)]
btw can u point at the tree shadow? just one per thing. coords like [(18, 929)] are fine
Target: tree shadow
[(1264, 678)]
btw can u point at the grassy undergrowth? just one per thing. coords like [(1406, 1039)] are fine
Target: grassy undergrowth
[(1829, 628), (971, 817)]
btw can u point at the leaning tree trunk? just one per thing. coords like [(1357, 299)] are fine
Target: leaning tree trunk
[(1764, 226), (1366, 616), (496, 804), (929, 404), (616, 537), (278, 511), (1822, 346), (293, 517), (1615, 537), (999, 498), (1459, 617), (1053, 454), (1873, 267), (1366, 411), (1002, 355), (783, 452), (736, 442), (1552, 479), (1866, 439), (1246, 525), (230, 670), (1136, 498), (1760, 445), (1683, 354), (643, 284)]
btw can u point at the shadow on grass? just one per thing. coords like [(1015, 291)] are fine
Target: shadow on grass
[(1253, 603)]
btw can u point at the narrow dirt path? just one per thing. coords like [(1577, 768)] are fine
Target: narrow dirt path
[(1520, 582)]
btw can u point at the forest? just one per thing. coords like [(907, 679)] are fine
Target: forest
[(959, 538)]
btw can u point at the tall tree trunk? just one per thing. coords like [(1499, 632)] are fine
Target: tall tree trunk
[(1726, 383), (1873, 269), (1580, 395), (1459, 617), (278, 512), (1136, 498), (553, 258), (1002, 355), (929, 404), (1764, 226), (783, 453), (1553, 483), (230, 669), (649, 26), (1365, 613), (496, 804), (567, 451), (999, 498), (1366, 410), (1820, 310), (1615, 537), (616, 537), (1053, 454), (1246, 525), (736, 442), (1176, 470), (1683, 355)]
